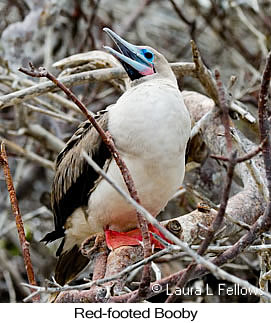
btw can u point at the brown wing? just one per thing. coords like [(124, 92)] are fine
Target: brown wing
[(74, 177)]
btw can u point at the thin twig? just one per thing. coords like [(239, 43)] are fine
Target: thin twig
[(204, 74), (26, 217), (18, 218), (264, 123), (30, 155), (52, 114), (222, 104), (244, 158)]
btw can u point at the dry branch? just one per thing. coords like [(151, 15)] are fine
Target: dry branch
[(18, 219), (30, 155), (100, 75)]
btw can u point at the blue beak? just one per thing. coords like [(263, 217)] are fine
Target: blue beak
[(131, 57)]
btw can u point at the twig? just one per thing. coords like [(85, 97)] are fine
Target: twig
[(26, 217), (30, 155), (219, 249), (252, 168), (180, 14), (234, 106), (260, 36), (18, 218), (222, 104), (49, 140), (208, 82), (264, 123), (10, 287), (52, 114), (204, 74), (244, 158)]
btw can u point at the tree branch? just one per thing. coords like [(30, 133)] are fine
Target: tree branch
[(18, 219)]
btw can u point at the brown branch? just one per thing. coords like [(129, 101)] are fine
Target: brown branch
[(144, 285), (107, 139), (264, 123), (18, 219), (222, 104), (244, 158), (204, 74)]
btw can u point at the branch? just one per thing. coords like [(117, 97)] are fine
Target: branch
[(204, 74), (30, 155), (18, 218), (101, 75), (208, 82), (264, 119)]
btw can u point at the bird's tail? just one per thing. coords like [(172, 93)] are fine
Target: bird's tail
[(70, 263)]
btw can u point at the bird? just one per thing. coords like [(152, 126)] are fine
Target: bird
[(150, 127)]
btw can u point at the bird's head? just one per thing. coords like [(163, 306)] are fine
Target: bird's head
[(138, 61)]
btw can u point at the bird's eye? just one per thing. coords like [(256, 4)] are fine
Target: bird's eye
[(148, 55)]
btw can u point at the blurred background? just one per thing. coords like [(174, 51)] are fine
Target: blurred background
[(232, 35)]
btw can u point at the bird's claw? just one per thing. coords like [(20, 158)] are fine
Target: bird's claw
[(93, 245)]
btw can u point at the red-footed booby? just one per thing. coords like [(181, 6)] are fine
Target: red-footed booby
[(150, 126)]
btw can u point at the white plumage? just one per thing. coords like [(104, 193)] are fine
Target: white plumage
[(150, 126)]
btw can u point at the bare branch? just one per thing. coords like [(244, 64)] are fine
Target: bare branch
[(18, 218), (28, 154)]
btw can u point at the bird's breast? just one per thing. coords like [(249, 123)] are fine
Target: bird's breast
[(150, 121), (150, 127)]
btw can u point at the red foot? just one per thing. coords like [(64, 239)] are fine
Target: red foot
[(115, 239)]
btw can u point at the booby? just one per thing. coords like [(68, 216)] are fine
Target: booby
[(150, 127)]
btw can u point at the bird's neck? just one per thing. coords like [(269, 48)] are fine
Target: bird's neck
[(153, 77)]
